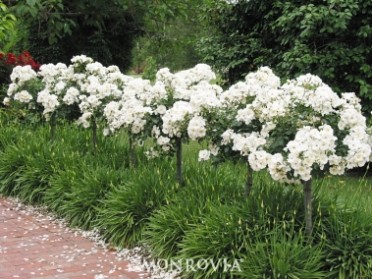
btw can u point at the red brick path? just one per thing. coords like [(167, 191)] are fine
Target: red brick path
[(32, 245)]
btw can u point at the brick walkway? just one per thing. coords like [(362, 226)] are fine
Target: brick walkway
[(33, 245)]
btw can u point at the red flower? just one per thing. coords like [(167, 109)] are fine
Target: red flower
[(11, 59), (22, 59), (25, 58), (36, 66)]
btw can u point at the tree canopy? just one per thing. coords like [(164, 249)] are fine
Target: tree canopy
[(328, 38), (55, 30)]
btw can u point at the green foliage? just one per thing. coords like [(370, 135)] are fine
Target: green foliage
[(28, 166), (60, 186), (7, 135), (348, 244), (270, 214), (87, 192), (34, 179), (168, 226), (196, 227), (351, 191), (171, 29), (7, 25), (53, 24), (328, 38), (272, 206), (220, 234), (83, 183), (17, 150), (100, 29), (128, 206), (12, 162), (282, 256), (206, 187), (206, 219)]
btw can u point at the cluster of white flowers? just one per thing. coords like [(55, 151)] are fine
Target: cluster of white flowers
[(18, 90), (288, 128), (196, 128), (178, 101), (310, 146), (204, 155), (247, 142), (92, 86), (129, 114), (308, 103), (21, 74), (48, 101), (72, 96), (23, 96), (175, 117), (182, 83), (85, 83), (256, 84)]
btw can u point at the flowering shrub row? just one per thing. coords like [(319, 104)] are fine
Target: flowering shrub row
[(291, 129)]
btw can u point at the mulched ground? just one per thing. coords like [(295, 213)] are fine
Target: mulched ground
[(35, 245)]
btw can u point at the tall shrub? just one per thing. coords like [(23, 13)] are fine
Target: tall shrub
[(330, 38)]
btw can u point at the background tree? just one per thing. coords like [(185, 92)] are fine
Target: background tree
[(329, 38), (7, 25), (59, 29), (171, 30)]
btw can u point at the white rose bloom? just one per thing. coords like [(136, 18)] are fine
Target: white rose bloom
[(6, 101), (258, 160), (204, 155), (264, 77), (310, 146), (337, 165), (106, 132), (23, 97), (157, 92), (309, 81), (152, 154), (59, 87), (81, 59), (51, 74), (247, 143), (278, 169), (196, 128), (163, 140), (96, 68), (203, 72), (21, 74), (155, 132), (84, 120), (161, 110), (175, 117), (267, 128), (164, 76), (246, 115), (350, 117), (71, 96), (238, 93), (48, 101), (205, 95), (323, 99), (214, 149), (13, 88), (351, 100), (227, 137)]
